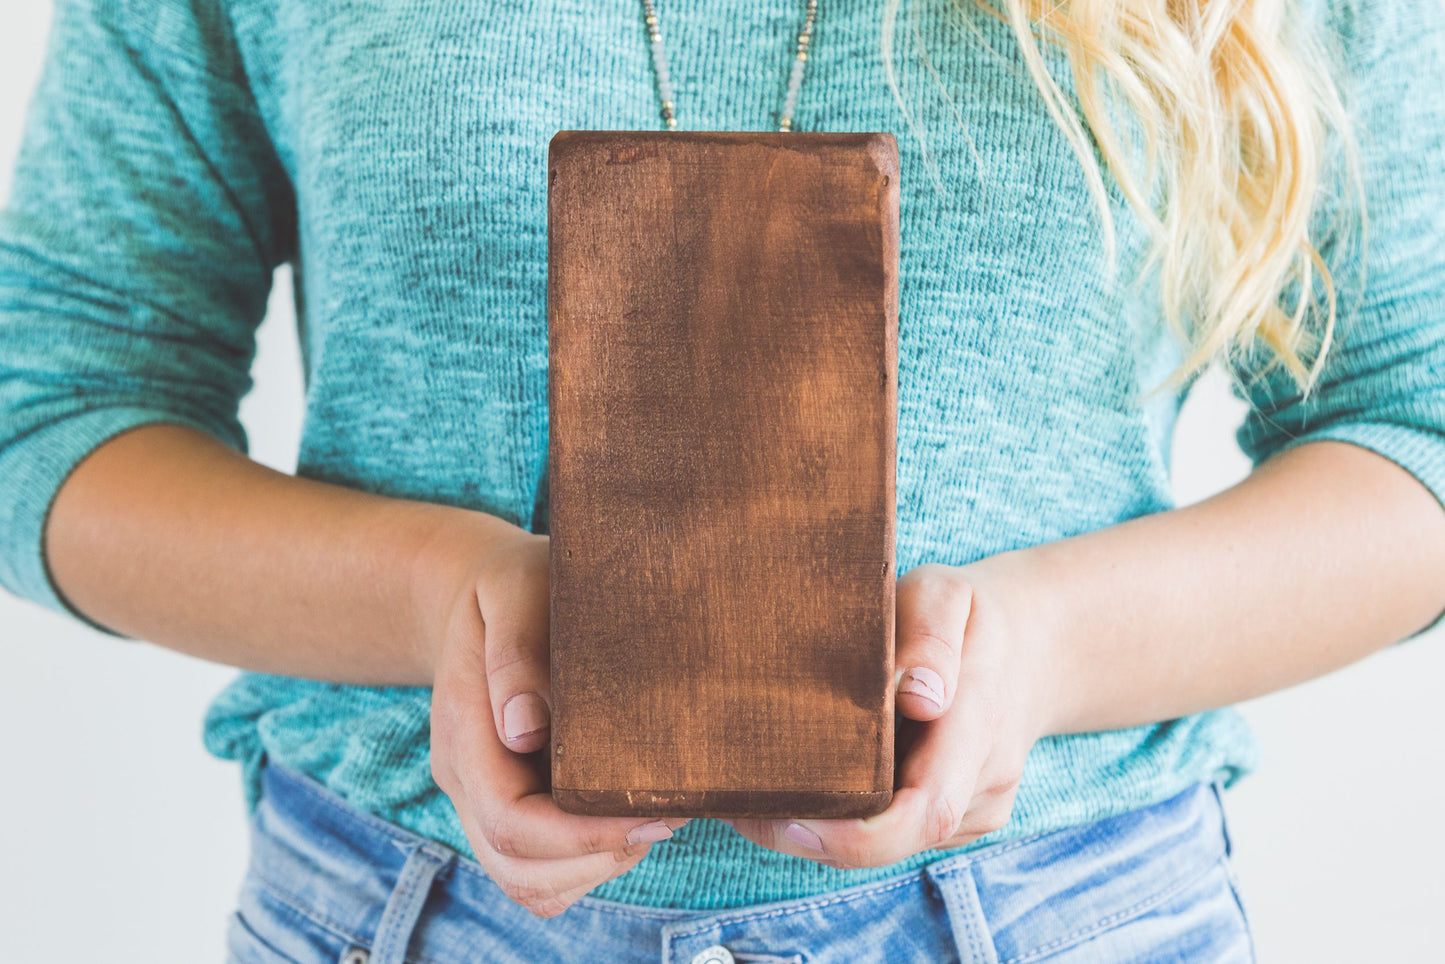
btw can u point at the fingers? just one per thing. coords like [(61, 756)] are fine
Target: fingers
[(963, 760), (517, 649), (933, 607), (548, 887), (570, 896), (502, 792), (773, 835), (543, 858), (930, 809), (515, 815), (534, 827)]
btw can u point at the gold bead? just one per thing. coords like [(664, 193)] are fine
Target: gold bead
[(802, 55), (786, 124), (651, 20), (671, 124)]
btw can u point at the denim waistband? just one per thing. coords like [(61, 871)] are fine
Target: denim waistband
[(402, 897)]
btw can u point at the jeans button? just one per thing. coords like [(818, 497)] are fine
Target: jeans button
[(717, 954)]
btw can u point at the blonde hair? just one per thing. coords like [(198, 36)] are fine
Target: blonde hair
[(1234, 102)]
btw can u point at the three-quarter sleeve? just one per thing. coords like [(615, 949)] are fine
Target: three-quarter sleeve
[(147, 214), (1383, 382)]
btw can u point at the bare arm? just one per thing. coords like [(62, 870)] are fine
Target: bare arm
[(1323, 555), (166, 534)]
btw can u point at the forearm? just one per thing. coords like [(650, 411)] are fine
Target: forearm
[(167, 535), (1323, 555)]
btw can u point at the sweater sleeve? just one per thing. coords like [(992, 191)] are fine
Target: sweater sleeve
[(147, 214), (1382, 386)]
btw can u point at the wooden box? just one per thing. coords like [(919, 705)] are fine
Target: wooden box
[(723, 337)]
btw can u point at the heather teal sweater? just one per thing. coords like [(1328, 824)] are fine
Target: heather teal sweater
[(178, 151)]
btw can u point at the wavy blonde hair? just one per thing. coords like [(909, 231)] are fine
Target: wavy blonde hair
[(1234, 103)]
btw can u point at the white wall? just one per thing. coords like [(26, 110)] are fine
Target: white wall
[(115, 824)]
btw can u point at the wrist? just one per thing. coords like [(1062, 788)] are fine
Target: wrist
[(452, 550), (1013, 585)]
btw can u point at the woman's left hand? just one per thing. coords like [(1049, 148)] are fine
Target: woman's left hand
[(973, 692)]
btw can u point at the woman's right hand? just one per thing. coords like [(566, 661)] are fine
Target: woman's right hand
[(482, 588)]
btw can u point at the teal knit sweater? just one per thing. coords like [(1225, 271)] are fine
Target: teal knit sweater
[(178, 151)]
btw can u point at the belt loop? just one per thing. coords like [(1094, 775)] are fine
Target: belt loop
[(1217, 788), (403, 907), (965, 910)]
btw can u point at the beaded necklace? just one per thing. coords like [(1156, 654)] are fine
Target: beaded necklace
[(664, 82)]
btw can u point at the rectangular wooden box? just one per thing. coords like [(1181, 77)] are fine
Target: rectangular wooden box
[(723, 339)]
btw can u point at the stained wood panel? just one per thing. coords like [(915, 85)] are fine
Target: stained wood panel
[(722, 335)]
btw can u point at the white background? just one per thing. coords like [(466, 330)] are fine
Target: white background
[(122, 841)]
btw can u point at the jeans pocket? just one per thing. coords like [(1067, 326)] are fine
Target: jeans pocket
[(245, 946), (1200, 923), (266, 929)]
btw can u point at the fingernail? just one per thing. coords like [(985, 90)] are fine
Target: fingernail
[(523, 714), (804, 837), (649, 833), (924, 682)]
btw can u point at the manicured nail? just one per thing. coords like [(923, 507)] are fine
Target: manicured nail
[(649, 832), (924, 682), (523, 715), (804, 837)]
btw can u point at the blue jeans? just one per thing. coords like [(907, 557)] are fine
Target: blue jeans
[(330, 884)]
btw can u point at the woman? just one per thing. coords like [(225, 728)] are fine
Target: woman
[(1092, 201)]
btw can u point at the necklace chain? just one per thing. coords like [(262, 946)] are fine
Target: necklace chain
[(664, 81)]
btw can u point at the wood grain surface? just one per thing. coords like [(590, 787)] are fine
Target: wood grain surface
[(722, 336)]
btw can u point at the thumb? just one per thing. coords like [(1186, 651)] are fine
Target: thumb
[(519, 682), (513, 600), (933, 609), (516, 647)]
